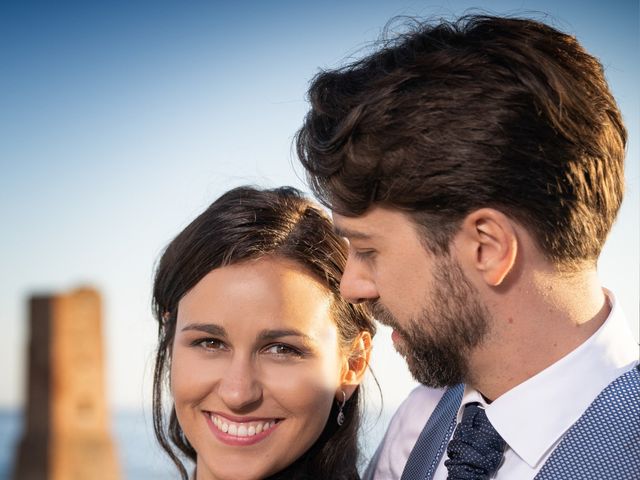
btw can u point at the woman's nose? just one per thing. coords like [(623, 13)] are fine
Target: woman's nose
[(240, 386)]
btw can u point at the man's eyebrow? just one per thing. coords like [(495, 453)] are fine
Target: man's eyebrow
[(351, 234), (266, 335), (210, 328)]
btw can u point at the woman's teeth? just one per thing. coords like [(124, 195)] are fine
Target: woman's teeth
[(248, 429)]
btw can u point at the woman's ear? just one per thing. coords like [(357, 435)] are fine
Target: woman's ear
[(355, 365), (490, 244)]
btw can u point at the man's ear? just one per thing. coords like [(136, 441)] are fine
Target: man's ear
[(489, 242), (355, 365)]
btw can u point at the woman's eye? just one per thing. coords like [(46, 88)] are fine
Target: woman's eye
[(282, 350), (209, 344)]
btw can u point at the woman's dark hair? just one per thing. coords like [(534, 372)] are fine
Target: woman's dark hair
[(248, 223), (484, 111)]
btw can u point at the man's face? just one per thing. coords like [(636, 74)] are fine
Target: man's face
[(435, 312)]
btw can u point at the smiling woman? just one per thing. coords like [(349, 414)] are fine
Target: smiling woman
[(263, 357)]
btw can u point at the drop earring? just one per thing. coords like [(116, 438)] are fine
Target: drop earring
[(340, 417)]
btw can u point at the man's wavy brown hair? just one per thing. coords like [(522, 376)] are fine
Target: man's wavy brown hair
[(484, 111)]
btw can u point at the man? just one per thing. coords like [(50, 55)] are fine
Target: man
[(476, 168)]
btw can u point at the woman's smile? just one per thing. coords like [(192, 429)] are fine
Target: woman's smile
[(239, 432)]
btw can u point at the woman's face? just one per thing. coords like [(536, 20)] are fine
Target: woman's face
[(256, 365)]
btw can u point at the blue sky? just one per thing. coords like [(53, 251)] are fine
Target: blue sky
[(120, 121)]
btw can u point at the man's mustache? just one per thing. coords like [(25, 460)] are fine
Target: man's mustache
[(383, 315)]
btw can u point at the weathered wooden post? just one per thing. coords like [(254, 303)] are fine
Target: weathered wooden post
[(66, 433)]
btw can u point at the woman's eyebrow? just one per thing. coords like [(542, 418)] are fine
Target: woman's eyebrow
[(210, 328), (275, 334)]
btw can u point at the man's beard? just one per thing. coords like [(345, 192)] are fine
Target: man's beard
[(453, 321)]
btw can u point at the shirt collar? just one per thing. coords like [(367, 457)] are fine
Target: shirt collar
[(534, 415)]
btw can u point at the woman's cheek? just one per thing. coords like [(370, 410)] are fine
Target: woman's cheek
[(311, 383), (192, 377)]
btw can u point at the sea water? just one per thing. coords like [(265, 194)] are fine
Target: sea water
[(140, 457)]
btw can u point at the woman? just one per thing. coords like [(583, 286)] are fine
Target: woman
[(263, 356)]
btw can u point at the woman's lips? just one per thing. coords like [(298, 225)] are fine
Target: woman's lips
[(239, 432)]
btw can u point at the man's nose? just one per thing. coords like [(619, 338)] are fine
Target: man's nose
[(357, 285)]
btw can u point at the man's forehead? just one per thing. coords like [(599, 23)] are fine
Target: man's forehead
[(351, 233), (374, 223), (358, 227)]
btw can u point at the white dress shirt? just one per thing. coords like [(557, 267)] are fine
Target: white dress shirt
[(532, 417)]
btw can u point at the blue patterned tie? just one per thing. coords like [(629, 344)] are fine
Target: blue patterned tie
[(476, 449)]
